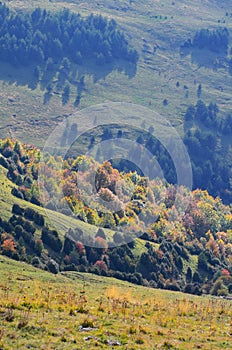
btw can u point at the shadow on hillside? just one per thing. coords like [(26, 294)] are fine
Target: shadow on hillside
[(205, 58), (54, 79), (100, 72)]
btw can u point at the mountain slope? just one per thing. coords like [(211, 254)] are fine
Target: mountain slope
[(164, 26), (184, 239)]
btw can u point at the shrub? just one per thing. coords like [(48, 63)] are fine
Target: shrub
[(173, 286), (87, 323), (7, 227), (51, 239), (18, 231), (196, 289), (28, 238), (119, 275), (29, 214), (8, 245), (29, 227), (70, 267), (222, 292), (221, 286), (15, 192), (35, 201), (189, 275), (7, 152), (36, 261), (4, 162), (38, 247), (196, 277), (39, 219), (165, 102), (139, 341), (13, 220), (202, 262), (179, 263), (16, 209), (52, 266), (101, 265), (68, 245)]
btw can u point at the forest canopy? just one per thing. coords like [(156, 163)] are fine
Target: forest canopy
[(215, 40), (34, 38), (185, 237)]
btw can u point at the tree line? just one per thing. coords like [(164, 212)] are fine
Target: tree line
[(161, 267), (207, 139), (33, 38), (216, 40)]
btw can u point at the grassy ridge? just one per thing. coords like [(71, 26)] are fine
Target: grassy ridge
[(43, 311)]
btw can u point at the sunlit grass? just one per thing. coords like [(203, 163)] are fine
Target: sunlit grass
[(43, 311)]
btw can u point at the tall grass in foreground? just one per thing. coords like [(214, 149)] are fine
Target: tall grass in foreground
[(42, 311)]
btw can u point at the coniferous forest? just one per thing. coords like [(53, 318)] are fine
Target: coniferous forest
[(42, 36)]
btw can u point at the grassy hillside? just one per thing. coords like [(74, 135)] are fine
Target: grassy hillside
[(161, 25), (80, 311)]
